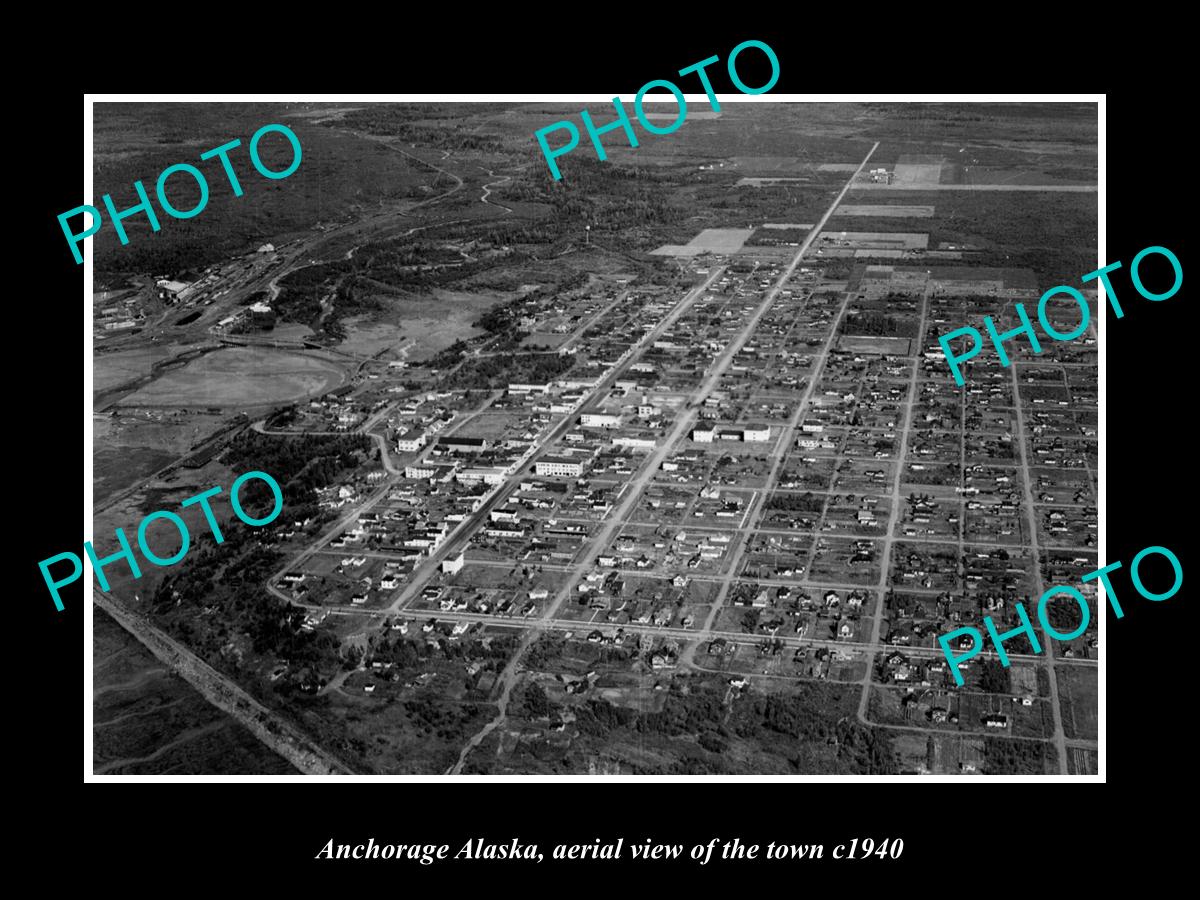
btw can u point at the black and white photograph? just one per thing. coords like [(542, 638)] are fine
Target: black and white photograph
[(719, 434)]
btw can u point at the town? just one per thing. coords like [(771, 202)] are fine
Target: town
[(658, 468)]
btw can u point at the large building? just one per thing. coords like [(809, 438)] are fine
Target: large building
[(261, 315), (599, 420), (558, 465), (757, 433), (635, 443), (169, 291), (455, 444), (488, 475), (411, 441), (514, 388)]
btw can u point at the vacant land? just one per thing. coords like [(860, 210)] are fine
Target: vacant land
[(1077, 687), (147, 721), (710, 240), (896, 211), (241, 376)]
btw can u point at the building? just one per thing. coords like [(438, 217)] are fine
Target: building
[(488, 475), (411, 441), (558, 465), (462, 444), (528, 388), (635, 443), (422, 471), (262, 316), (599, 420), (704, 435), (756, 433), (453, 565), (169, 291)]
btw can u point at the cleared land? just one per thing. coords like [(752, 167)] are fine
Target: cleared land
[(917, 173), (1066, 188), (147, 721), (886, 212), (241, 376), (710, 240)]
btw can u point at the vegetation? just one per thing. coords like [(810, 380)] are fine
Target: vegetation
[(499, 370), (994, 678), (1011, 756)]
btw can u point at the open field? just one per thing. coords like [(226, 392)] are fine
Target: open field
[(1060, 188), (241, 376), (710, 240), (760, 181), (147, 721), (898, 346), (1078, 687), (896, 211), (917, 173), (129, 447), (110, 370)]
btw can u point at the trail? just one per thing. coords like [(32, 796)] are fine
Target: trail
[(268, 726), (190, 734)]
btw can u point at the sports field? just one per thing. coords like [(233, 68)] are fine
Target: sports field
[(241, 377)]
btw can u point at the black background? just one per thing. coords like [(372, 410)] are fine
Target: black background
[(271, 832)]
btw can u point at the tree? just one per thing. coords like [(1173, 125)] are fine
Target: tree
[(994, 678), (535, 701)]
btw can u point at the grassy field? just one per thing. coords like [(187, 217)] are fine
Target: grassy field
[(1077, 686), (241, 376), (127, 448), (147, 721), (109, 370)]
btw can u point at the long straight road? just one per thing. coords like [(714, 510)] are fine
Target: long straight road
[(461, 535), (270, 728), (542, 624), (889, 543), (683, 424), (760, 502), (1060, 740)]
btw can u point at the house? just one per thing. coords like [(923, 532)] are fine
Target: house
[(453, 565)]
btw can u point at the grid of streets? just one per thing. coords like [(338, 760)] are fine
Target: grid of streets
[(765, 477)]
